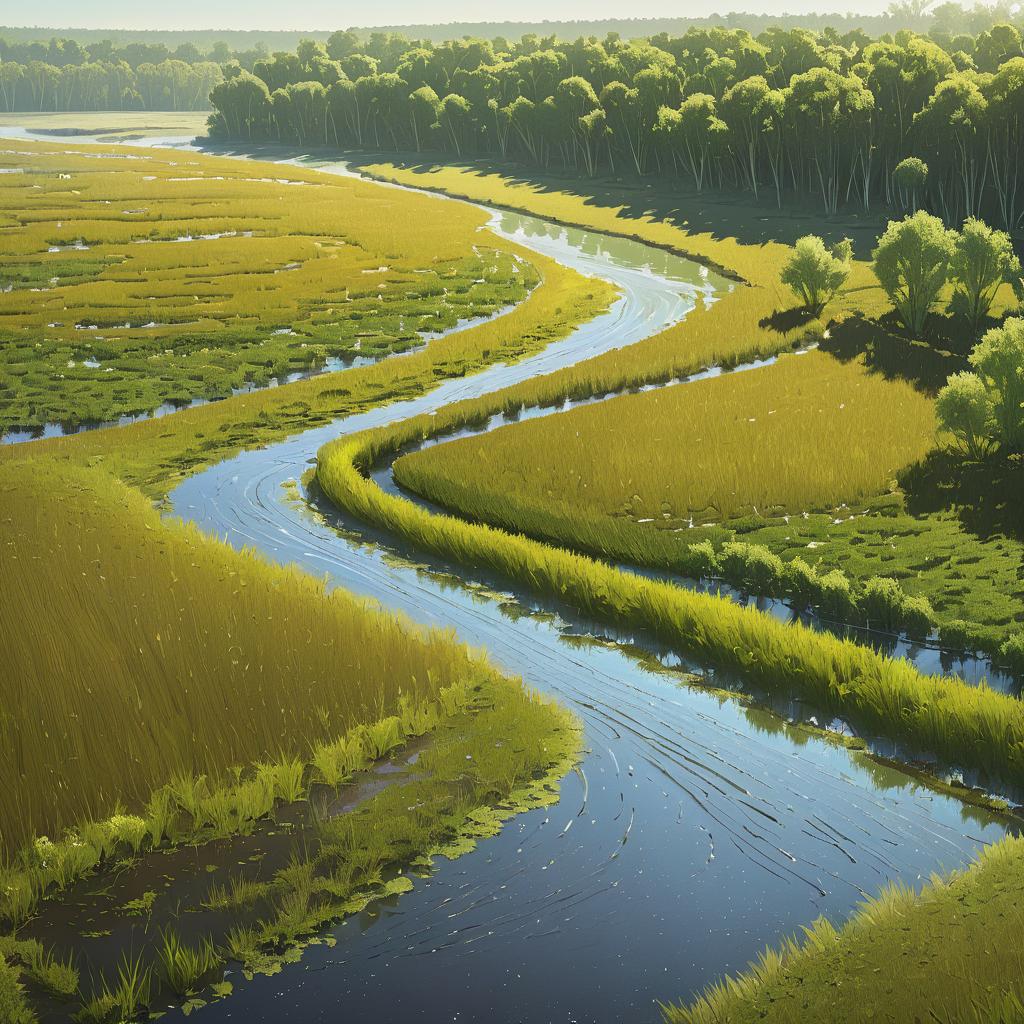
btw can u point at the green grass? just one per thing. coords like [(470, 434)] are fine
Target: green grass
[(950, 954), (316, 267), (708, 451)]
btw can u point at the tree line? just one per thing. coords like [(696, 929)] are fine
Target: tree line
[(930, 120)]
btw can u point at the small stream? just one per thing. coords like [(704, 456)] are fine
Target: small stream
[(695, 832)]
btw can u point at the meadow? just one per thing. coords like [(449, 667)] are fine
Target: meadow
[(702, 453), (158, 277), (934, 516), (206, 689)]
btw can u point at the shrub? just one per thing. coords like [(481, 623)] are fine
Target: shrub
[(700, 560), (911, 262), (802, 583), (998, 360), (814, 273), (917, 616), (964, 409), (1012, 653), (13, 1007), (909, 176), (835, 598), (751, 566), (882, 603), (982, 260)]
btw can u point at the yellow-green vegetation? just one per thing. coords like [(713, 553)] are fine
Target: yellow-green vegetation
[(946, 534), (160, 655), (249, 272), (711, 450), (949, 954)]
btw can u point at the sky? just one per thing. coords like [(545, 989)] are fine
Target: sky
[(309, 15)]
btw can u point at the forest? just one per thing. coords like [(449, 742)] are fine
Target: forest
[(835, 118)]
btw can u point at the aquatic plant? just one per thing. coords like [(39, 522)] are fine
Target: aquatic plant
[(186, 967)]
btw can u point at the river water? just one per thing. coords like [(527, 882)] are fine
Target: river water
[(695, 831)]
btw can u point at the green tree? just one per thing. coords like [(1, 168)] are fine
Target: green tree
[(814, 273), (999, 361), (964, 410), (910, 176), (911, 262), (982, 260)]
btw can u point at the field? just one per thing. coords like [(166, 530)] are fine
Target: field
[(176, 691), (705, 452), (264, 277), (936, 512)]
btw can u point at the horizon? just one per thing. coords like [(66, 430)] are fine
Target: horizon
[(322, 16)]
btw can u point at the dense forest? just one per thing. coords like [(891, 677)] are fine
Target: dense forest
[(906, 119)]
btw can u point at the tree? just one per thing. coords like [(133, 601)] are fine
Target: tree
[(964, 409), (453, 118), (998, 360), (982, 260), (909, 176), (423, 104), (814, 273), (744, 108), (911, 262)]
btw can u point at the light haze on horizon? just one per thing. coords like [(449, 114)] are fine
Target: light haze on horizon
[(322, 15)]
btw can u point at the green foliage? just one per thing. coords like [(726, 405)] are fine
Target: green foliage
[(910, 176), (185, 968), (964, 409), (999, 361), (911, 262), (1012, 652), (982, 260), (814, 273), (14, 1008)]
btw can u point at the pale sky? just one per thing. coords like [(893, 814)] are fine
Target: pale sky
[(310, 15)]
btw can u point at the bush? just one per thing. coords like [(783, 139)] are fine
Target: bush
[(911, 262), (917, 616), (814, 273), (998, 360), (1012, 653), (700, 561), (982, 260), (882, 603), (835, 597), (964, 409), (802, 582), (751, 566)]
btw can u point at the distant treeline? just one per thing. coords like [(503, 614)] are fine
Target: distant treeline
[(905, 119)]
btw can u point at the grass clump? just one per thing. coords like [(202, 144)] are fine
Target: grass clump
[(186, 968), (950, 953)]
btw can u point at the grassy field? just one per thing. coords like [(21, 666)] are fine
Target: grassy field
[(935, 512), (708, 451), (206, 687), (250, 272), (950, 954)]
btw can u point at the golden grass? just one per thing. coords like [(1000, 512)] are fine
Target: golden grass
[(806, 434), (135, 650)]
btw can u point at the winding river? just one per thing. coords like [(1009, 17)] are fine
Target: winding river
[(695, 831)]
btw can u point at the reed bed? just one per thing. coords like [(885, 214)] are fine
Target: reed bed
[(807, 434), (136, 651), (950, 953), (973, 727), (251, 272)]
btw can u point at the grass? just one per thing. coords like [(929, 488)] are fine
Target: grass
[(306, 267), (908, 535), (707, 451), (950, 953)]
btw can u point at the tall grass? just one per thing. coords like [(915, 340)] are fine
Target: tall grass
[(939, 955), (135, 651), (806, 434), (971, 726)]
